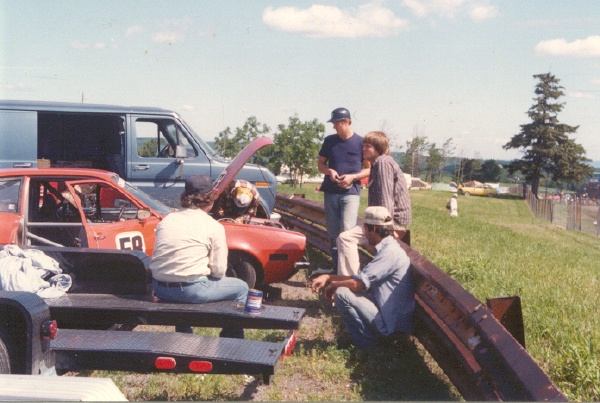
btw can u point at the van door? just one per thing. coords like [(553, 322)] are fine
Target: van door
[(153, 164), (18, 134)]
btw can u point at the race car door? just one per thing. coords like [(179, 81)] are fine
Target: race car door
[(112, 218)]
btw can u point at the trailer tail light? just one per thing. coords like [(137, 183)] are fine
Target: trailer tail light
[(289, 345), (165, 363), (49, 330), (200, 366)]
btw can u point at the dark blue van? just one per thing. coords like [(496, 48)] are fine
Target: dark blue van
[(151, 148)]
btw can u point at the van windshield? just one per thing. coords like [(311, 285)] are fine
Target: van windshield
[(203, 144)]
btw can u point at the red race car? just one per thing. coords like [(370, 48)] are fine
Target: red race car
[(97, 209)]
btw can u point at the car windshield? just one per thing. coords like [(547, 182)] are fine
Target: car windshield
[(147, 199)]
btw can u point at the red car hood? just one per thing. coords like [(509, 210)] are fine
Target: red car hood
[(237, 164)]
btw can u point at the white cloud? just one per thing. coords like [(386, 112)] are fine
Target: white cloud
[(168, 37), (580, 95), (596, 81), (319, 21), (187, 107), (477, 11), (86, 45), (133, 30), (444, 8), (173, 31), (588, 47), (17, 87), (481, 12)]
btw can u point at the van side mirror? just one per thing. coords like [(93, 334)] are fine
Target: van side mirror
[(143, 214), (180, 153)]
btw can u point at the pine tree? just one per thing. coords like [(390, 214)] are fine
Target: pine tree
[(547, 149)]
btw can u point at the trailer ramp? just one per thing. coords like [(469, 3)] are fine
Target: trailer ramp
[(146, 352)]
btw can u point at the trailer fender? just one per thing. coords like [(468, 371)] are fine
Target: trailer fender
[(24, 318)]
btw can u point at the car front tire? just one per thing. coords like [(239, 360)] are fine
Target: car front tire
[(242, 269)]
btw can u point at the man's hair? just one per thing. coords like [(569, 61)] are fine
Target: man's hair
[(196, 201), (379, 141), (381, 230)]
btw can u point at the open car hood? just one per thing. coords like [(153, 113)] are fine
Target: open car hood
[(229, 173)]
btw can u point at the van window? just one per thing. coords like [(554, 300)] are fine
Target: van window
[(159, 139), (82, 140), (9, 195)]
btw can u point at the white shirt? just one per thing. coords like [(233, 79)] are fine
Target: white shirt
[(189, 244)]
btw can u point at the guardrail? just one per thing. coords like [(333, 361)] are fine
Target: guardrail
[(477, 353)]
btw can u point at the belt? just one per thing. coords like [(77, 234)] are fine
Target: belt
[(175, 284)]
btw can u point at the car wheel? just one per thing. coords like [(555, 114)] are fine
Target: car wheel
[(467, 194), (490, 195), (242, 269)]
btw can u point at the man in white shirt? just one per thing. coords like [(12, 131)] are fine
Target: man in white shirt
[(190, 255)]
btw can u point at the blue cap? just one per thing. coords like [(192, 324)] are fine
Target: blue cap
[(339, 114), (198, 184)]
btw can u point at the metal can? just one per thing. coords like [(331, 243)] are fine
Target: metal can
[(253, 302)]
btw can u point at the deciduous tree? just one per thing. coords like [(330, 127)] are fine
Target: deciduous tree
[(297, 145), (229, 145)]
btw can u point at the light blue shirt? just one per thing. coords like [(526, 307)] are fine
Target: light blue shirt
[(388, 277)]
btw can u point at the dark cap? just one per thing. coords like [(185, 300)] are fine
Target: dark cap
[(198, 184), (339, 114)]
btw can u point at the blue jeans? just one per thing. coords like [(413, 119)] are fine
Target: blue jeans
[(206, 289), (341, 213), (358, 313)]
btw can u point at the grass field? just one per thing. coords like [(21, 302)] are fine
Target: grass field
[(493, 248)]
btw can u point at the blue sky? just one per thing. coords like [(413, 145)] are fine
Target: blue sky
[(460, 69)]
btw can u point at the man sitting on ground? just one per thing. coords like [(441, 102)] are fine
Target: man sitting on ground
[(376, 304)]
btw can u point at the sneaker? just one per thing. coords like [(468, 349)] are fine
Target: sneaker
[(249, 379), (320, 271)]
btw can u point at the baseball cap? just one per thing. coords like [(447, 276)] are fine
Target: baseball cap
[(377, 215), (198, 184), (339, 114)]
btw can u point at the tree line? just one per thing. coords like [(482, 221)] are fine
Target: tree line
[(548, 152)]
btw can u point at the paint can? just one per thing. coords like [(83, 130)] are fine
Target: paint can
[(253, 302)]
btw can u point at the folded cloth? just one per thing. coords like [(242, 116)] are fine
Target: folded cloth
[(33, 271)]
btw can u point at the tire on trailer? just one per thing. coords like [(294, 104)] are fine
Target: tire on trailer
[(467, 193), (5, 363), (240, 267)]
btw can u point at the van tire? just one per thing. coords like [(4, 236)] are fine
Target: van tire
[(242, 269)]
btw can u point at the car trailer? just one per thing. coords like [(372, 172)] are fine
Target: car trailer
[(89, 327)]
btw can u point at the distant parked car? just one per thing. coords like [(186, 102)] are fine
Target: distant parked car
[(283, 179), (482, 189), (98, 209)]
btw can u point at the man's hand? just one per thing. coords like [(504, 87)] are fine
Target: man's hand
[(345, 181), (329, 291), (334, 176), (319, 282)]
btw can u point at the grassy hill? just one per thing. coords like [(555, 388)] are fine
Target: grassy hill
[(496, 248)]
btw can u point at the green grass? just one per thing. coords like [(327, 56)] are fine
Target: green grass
[(493, 248)]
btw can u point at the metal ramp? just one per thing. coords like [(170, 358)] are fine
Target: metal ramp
[(147, 352), (107, 309)]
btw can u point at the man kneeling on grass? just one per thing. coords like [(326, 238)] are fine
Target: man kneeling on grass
[(377, 304)]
